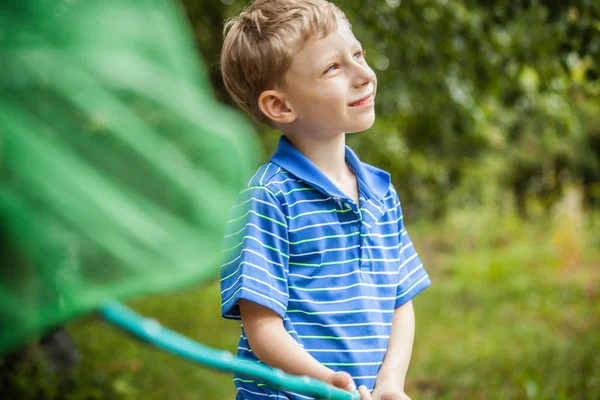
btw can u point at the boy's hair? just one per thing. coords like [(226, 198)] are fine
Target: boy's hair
[(260, 43)]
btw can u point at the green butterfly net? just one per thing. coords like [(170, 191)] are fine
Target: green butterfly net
[(117, 170), (117, 167)]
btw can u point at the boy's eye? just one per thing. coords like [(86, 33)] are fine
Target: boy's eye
[(332, 67), (360, 54)]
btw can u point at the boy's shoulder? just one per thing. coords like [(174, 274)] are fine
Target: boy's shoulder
[(273, 179), (266, 175)]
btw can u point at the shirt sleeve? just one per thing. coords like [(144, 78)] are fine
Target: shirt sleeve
[(412, 275), (255, 254)]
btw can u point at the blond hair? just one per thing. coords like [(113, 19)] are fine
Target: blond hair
[(260, 43)]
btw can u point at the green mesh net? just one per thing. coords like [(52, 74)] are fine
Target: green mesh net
[(117, 167)]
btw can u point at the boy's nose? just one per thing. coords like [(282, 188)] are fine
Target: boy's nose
[(364, 75)]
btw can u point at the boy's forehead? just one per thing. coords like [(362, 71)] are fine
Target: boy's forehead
[(316, 50)]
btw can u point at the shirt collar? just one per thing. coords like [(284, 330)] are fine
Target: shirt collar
[(372, 182)]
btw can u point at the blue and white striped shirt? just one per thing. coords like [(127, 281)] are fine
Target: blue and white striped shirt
[(332, 269)]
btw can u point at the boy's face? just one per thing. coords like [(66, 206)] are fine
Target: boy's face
[(330, 87)]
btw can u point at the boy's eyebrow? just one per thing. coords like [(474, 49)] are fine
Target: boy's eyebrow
[(332, 54)]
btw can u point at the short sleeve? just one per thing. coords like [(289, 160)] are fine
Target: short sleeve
[(412, 275), (255, 254)]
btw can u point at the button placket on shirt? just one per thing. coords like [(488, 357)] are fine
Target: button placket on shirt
[(368, 221), (364, 241), (347, 204), (363, 229)]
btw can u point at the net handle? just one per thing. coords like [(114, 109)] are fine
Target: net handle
[(154, 333)]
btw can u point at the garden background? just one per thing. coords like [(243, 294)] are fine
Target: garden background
[(488, 119)]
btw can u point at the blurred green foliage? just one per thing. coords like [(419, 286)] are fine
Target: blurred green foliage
[(478, 103)]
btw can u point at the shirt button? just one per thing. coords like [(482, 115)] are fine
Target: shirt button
[(347, 205)]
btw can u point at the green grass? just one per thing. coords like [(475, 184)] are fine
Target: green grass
[(514, 313)]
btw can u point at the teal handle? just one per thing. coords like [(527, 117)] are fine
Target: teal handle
[(154, 333)]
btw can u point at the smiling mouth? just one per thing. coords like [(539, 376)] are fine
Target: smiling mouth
[(366, 101)]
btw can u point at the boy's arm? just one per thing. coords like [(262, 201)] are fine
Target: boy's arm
[(392, 374), (274, 346)]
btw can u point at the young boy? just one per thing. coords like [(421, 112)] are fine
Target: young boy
[(318, 265)]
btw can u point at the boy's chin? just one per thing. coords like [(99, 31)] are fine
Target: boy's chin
[(362, 126)]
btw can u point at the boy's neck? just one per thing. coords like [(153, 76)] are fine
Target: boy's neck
[(329, 155)]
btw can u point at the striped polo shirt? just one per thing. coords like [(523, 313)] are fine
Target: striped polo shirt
[(334, 270)]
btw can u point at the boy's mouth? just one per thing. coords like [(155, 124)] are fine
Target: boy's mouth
[(365, 101)]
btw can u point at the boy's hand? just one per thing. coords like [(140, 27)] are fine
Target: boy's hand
[(389, 391), (364, 393), (343, 380)]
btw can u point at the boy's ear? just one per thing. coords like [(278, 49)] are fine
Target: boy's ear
[(272, 103)]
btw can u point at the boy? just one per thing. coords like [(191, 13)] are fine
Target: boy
[(317, 263)]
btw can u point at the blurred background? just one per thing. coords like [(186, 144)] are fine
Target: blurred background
[(488, 119)]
